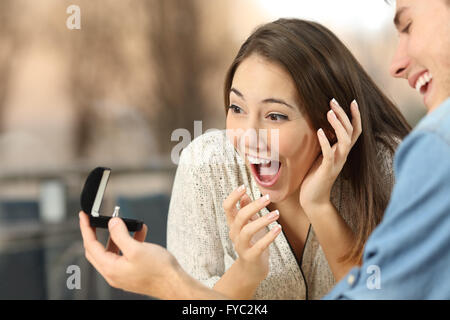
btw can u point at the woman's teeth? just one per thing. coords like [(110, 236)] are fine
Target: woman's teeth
[(254, 160), (423, 80)]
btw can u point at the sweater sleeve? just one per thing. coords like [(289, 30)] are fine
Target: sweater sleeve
[(192, 231)]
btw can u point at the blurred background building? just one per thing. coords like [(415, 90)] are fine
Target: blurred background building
[(111, 94)]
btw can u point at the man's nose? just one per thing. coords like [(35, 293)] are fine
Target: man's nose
[(399, 64)]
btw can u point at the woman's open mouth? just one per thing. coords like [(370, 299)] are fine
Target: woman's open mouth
[(265, 171)]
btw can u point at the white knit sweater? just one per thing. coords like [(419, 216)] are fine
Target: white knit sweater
[(197, 232)]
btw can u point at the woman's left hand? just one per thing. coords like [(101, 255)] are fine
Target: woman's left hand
[(316, 186)]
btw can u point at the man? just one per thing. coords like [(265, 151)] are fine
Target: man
[(410, 249), (408, 254)]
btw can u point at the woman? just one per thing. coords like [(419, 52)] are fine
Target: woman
[(331, 176)]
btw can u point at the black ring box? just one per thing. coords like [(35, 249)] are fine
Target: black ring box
[(92, 196)]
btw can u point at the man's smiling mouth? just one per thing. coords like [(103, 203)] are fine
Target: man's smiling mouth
[(422, 82)]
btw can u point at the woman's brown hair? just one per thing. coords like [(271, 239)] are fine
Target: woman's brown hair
[(323, 68)]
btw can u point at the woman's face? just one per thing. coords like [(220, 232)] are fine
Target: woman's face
[(263, 96)]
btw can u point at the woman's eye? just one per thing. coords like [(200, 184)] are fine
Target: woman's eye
[(235, 109), (277, 117)]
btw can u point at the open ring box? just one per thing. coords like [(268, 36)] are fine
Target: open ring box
[(92, 196)]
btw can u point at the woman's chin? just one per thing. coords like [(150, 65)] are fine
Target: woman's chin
[(276, 194), (281, 192)]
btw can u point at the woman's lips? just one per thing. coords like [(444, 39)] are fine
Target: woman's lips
[(266, 176)]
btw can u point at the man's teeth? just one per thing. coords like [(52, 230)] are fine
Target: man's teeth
[(423, 80), (254, 160)]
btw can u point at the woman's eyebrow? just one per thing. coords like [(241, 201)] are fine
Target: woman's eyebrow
[(268, 100), (279, 101), (237, 93)]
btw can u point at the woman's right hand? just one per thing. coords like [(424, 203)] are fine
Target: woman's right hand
[(247, 232)]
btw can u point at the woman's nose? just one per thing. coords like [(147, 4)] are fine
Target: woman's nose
[(253, 137)]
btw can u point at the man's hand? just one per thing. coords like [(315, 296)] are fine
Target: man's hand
[(143, 268)]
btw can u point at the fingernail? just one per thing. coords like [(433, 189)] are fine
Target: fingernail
[(333, 101), (277, 228), (265, 198), (355, 103), (273, 215), (321, 132), (113, 223), (332, 113), (241, 188)]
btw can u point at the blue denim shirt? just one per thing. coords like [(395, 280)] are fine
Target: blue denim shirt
[(408, 255)]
